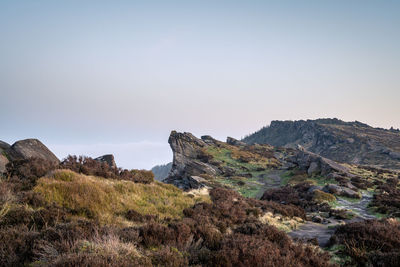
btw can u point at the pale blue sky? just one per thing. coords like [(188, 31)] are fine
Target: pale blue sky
[(98, 77)]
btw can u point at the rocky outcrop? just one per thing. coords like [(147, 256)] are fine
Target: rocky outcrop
[(234, 142), (109, 159), (188, 160), (341, 191), (4, 146), (30, 148), (315, 164), (349, 142), (3, 156)]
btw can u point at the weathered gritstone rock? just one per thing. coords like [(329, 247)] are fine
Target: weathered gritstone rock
[(341, 191), (348, 142), (31, 148), (186, 163), (109, 159), (234, 142), (315, 164), (4, 146), (3, 156)]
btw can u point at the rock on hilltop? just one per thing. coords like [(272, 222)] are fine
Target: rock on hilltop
[(350, 142), (206, 161), (24, 149)]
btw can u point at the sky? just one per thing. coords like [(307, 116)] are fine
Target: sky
[(98, 77)]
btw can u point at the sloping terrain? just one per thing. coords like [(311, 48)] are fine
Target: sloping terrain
[(349, 142), (331, 194), (88, 212)]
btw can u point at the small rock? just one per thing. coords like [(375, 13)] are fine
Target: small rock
[(234, 142), (317, 219)]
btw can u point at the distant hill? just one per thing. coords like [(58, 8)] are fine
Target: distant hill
[(161, 171), (350, 142)]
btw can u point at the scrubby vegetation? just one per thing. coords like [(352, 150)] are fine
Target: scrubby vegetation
[(84, 213), (369, 243), (110, 201), (89, 166)]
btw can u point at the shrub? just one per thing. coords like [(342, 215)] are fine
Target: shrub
[(27, 171), (320, 196), (266, 246), (169, 257), (387, 199), (298, 195), (139, 176), (16, 245), (89, 166), (370, 242)]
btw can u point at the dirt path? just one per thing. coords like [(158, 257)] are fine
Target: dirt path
[(270, 180), (323, 232)]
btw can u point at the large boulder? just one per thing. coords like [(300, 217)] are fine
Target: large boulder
[(3, 156), (31, 148), (316, 164), (341, 191), (109, 159), (189, 160)]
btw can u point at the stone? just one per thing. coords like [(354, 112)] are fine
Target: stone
[(347, 192), (313, 188), (341, 191), (234, 142), (109, 159), (313, 169), (188, 160), (31, 148), (317, 219), (319, 165), (4, 146), (3, 163)]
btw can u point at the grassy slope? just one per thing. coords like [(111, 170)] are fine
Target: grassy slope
[(108, 200)]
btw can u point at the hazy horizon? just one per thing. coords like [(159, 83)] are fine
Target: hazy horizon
[(116, 77)]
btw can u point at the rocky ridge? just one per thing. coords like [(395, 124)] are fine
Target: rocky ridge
[(350, 142), (196, 160)]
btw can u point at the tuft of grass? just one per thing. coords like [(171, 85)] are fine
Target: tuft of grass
[(320, 196), (106, 200)]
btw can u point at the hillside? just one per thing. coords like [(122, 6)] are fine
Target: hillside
[(161, 171), (349, 142), (339, 200), (227, 204), (87, 212)]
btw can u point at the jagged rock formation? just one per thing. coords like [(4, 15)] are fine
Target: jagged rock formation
[(109, 159), (187, 160), (350, 142), (316, 164), (30, 148), (206, 161), (161, 171)]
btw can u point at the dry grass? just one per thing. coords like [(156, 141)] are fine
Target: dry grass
[(320, 197), (108, 200), (283, 223)]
